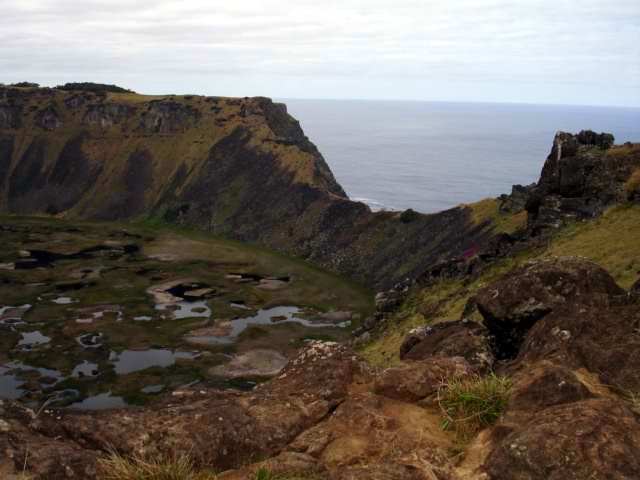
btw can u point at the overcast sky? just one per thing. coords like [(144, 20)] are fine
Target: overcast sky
[(535, 51)]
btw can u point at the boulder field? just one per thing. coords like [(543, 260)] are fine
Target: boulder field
[(569, 347)]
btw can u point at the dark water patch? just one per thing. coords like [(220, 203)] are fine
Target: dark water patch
[(46, 259), (130, 361), (102, 401), (17, 378), (85, 369), (186, 309), (10, 384), (62, 398), (90, 340), (241, 384), (182, 290)]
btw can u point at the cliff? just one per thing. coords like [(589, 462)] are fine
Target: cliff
[(240, 167)]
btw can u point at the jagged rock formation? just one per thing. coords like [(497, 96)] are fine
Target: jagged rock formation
[(581, 177), (241, 167)]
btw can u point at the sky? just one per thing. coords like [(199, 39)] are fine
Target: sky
[(583, 52)]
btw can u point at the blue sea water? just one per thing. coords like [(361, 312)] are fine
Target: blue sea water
[(430, 156)]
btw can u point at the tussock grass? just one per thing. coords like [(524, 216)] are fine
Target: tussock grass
[(634, 400), (470, 404), (632, 186), (117, 467)]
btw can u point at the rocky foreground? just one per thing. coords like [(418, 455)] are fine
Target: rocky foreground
[(563, 332)]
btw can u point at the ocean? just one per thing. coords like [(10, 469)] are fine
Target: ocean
[(431, 156)]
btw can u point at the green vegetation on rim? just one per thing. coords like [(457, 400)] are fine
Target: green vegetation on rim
[(488, 210)]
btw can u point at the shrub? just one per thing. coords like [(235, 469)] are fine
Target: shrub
[(469, 404), (26, 85), (117, 467), (93, 87), (409, 216)]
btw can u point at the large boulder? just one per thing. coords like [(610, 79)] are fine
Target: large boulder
[(515, 303), (595, 439), (414, 381), (462, 338)]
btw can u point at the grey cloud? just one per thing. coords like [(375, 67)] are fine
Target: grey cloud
[(489, 45)]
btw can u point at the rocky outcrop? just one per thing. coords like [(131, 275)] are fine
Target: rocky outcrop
[(567, 336), (464, 338), (582, 175)]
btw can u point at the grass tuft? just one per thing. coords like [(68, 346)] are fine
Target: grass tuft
[(632, 186), (634, 399), (117, 467), (472, 403)]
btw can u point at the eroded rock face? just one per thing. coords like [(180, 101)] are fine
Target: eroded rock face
[(414, 381), (514, 304), (9, 116), (450, 339), (597, 439), (107, 114), (49, 119), (168, 117), (579, 179)]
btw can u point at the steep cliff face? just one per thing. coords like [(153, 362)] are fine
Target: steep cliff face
[(238, 167)]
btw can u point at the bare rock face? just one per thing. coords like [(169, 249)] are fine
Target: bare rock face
[(49, 118), (106, 114), (597, 439), (254, 363), (545, 385), (579, 179), (168, 117), (450, 339), (514, 304), (9, 116), (414, 381)]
